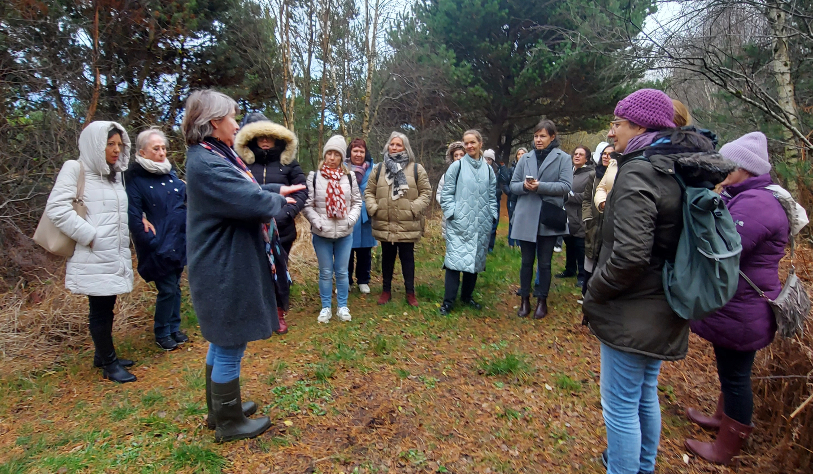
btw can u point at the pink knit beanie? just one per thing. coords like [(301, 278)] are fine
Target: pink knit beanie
[(749, 152), (648, 108)]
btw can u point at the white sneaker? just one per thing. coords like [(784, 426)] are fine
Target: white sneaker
[(343, 313), (557, 249), (364, 288), (324, 315)]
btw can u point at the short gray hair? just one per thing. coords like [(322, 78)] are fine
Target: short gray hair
[(405, 141), (144, 137), (202, 107)]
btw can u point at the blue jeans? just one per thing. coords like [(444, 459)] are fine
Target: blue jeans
[(168, 305), (225, 361), (632, 413), (333, 256)]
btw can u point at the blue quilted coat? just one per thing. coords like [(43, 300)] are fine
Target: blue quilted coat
[(469, 205)]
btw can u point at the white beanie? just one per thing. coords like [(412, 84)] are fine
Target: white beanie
[(489, 154), (335, 143)]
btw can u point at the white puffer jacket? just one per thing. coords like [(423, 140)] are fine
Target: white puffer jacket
[(105, 269), (315, 209)]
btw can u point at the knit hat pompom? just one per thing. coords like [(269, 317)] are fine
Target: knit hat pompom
[(648, 108), (749, 152), (335, 143)]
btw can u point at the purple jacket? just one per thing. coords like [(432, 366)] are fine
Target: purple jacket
[(747, 323)]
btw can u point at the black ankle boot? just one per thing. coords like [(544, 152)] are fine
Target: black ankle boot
[(97, 362), (115, 372), (231, 423), (249, 408)]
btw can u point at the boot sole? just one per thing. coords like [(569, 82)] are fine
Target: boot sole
[(107, 377), (252, 409), (252, 434)]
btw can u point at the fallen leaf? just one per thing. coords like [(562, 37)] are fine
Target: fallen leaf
[(288, 423), (686, 458)]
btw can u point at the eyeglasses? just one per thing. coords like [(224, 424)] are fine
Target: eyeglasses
[(615, 123)]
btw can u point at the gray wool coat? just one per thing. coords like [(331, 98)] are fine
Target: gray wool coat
[(230, 279), (555, 178)]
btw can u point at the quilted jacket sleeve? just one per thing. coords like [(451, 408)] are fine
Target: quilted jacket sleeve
[(606, 185), (493, 204), (587, 203), (355, 201), (369, 192), (60, 210), (309, 211), (424, 192)]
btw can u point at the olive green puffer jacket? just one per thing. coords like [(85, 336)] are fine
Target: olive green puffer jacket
[(399, 220)]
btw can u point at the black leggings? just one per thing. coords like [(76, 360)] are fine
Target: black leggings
[(361, 259), (100, 324), (734, 370), (389, 251), (542, 250)]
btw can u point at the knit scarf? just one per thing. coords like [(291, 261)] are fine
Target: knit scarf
[(335, 202), (394, 166), (640, 142), (358, 169), (273, 248), (163, 167)]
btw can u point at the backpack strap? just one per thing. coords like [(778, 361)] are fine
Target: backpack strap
[(313, 182), (416, 172)]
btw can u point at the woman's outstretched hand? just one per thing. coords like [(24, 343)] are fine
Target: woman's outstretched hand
[(286, 190)]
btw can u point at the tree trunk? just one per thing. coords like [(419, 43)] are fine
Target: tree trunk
[(784, 83), (369, 45)]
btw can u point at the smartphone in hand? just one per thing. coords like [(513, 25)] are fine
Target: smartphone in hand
[(529, 179)]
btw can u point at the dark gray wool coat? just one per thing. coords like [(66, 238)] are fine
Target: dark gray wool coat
[(229, 277)]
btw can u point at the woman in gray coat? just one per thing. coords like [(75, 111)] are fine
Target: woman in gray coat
[(231, 265), (541, 180), (470, 208)]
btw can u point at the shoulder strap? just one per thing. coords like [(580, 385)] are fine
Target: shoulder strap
[(754, 286), (378, 172), (80, 182), (314, 182), (416, 172)]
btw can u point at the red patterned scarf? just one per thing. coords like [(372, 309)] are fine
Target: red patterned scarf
[(335, 201)]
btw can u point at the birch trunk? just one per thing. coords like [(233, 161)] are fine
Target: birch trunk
[(370, 33), (777, 19)]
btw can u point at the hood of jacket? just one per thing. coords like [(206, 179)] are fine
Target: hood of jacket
[(266, 129), (92, 143)]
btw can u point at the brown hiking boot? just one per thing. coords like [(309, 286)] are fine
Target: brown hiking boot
[(541, 308), (411, 300), (524, 307), (385, 297), (707, 422), (728, 444)]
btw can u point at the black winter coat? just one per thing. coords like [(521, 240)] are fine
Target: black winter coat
[(162, 198), (275, 168)]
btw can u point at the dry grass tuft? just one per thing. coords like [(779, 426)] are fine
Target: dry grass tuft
[(38, 323)]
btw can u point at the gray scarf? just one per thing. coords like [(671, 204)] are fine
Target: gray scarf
[(394, 166)]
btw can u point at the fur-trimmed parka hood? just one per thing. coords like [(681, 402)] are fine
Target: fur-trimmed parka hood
[(266, 129)]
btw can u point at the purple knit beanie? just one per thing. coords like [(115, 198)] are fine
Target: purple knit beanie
[(749, 152), (648, 108)]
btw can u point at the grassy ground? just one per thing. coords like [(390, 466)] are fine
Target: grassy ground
[(396, 390)]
